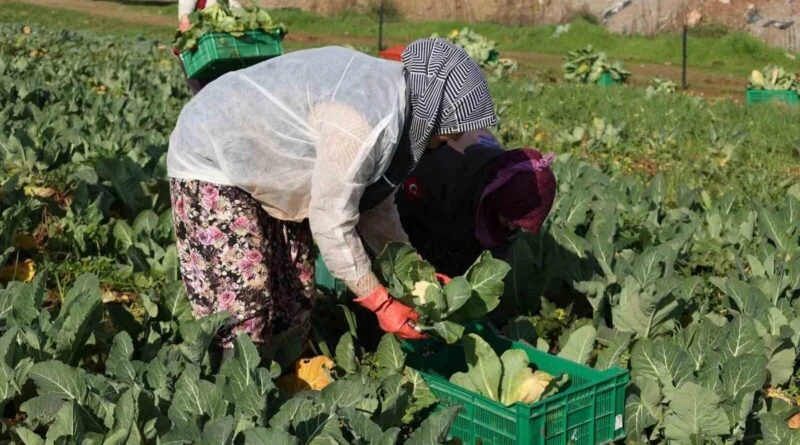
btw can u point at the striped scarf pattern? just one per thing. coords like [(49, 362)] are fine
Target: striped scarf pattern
[(448, 93)]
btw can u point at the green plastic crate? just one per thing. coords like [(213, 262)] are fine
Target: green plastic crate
[(589, 411), (324, 279), (768, 96), (606, 80), (218, 53)]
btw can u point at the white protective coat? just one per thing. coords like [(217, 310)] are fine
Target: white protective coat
[(304, 133)]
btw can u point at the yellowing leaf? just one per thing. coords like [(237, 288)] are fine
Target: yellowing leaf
[(23, 241), (315, 372), (41, 192), (794, 422), (309, 374), (24, 271), (528, 386)]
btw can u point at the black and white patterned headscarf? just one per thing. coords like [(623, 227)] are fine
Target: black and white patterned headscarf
[(448, 93)]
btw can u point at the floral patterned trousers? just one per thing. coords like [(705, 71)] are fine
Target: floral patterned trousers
[(234, 257)]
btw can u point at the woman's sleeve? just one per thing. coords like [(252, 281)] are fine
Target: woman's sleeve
[(381, 225), (185, 7), (341, 173)]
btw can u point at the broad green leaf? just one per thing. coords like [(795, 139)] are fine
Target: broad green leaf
[(193, 397), (435, 428), (41, 410), (240, 369), (703, 341), (56, 378), (486, 277), (176, 302), (346, 354), (650, 265), (402, 268), (744, 374), (198, 334), (395, 405), (123, 234), (776, 230), (609, 357), (601, 239), (290, 410), (8, 385), (661, 360), (118, 363), (463, 380), (451, 332), (423, 397), (580, 345), (269, 436), (347, 393), (67, 426), (645, 313), (484, 367), (749, 299), (695, 411), (218, 432), (741, 338), (125, 430), (145, 223), (781, 366), (457, 292), (21, 301), (314, 423), (389, 357), (79, 317), (329, 434), (28, 437), (776, 432), (361, 425), (643, 407), (182, 432), (568, 240), (521, 329), (513, 361), (389, 437)]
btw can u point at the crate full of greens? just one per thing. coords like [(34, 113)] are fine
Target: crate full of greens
[(772, 84), (223, 39)]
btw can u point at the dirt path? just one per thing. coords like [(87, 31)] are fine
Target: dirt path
[(701, 81)]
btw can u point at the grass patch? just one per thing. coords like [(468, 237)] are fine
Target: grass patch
[(717, 145), (80, 21), (709, 46)]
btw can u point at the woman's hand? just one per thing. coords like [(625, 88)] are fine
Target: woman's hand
[(184, 24), (393, 316)]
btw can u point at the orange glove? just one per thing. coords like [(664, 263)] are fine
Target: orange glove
[(393, 316), (444, 279)]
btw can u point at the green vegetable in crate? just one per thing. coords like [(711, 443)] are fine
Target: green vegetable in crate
[(443, 303), (221, 18), (507, 379), (482, 50), (772, 78), (587, 65)]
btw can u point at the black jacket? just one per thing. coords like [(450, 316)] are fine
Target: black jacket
[(437, 205)]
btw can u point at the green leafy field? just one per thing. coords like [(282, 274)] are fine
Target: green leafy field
[(673, 250)]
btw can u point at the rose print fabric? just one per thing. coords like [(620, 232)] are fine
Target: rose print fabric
[(234, 257)]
